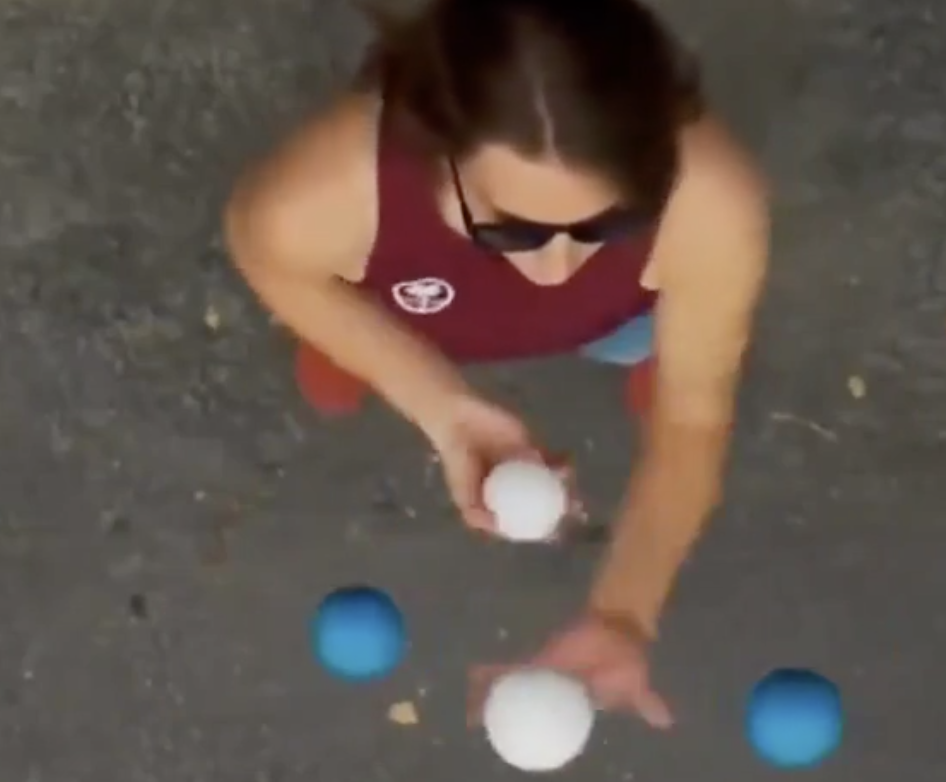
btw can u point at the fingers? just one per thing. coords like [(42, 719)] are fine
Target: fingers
[(464, 480), (646, 704), (608, 693), (479, 519), (635, 695), (559, 461), (564, 468), (623, 687), (465, 469), (461, 484), (652, 708), (526, 453), (507, 438), (481, 678)]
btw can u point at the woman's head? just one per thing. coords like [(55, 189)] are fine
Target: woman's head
[(555, 111)]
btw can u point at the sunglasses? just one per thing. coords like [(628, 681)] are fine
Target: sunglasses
[(515, 234)]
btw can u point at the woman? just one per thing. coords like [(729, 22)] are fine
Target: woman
[(521, 178)]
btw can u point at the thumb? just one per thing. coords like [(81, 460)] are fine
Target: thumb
[(652, 708), (481, 679), (504, 436), (462, 475)]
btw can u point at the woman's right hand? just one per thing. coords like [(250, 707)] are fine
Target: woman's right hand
[(471, 438)]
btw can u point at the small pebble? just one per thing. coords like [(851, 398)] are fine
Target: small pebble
[(116, 524), (857, 386), (138, 606), (212, 318)]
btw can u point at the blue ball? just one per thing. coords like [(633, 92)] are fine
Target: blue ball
[(358, 634), (795, 718)]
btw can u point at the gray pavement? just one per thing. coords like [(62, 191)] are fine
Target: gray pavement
[(170, 512)]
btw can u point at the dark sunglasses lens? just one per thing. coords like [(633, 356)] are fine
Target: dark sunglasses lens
[(510, 238), (609, 228)]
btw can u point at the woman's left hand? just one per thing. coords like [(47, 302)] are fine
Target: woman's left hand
[(609, 658)]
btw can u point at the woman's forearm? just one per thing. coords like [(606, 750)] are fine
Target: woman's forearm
[(671, 497), (411, 375)]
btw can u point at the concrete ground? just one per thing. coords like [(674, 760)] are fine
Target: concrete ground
[(170, 513)]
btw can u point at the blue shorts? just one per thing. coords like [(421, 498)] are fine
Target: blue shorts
[(629, 344)]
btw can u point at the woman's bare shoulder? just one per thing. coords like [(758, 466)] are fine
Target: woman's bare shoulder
[(719, 207), (312, 202), (720, 187), (715, 161)]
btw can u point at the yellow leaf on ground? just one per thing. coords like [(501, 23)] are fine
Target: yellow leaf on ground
[(403, 713)]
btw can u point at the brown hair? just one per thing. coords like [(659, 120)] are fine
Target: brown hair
[(599, 83)]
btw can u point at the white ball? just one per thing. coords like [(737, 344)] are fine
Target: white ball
[(538, 719), (527, 499)]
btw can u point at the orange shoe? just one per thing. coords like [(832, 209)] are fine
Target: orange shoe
[(327, 387), (639, 388)]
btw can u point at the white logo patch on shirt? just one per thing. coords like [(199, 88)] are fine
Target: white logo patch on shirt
[(426, 296)]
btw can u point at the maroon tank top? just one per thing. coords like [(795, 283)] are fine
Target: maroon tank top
[(476, 306)]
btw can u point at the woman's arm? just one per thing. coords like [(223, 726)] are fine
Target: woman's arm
[(711, 262), (302, 223)]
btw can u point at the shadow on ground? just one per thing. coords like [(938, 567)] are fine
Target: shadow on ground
[(170, 512)]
